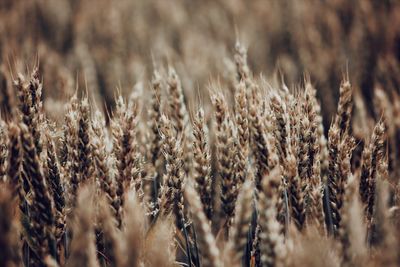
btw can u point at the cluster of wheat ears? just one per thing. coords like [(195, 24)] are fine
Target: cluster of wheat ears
[(264, 187)]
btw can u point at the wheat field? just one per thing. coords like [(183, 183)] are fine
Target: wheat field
[(199, 133)]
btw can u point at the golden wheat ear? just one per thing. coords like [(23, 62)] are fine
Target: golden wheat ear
[(101, 159), (154, 115), (372, 155), (282, 126), (177, 106), (315, 158), (243, 134), (179, 115), (69, 162), (262, 138), (172, 196), (226, 151), (31, 106), (40, 228), (125, 149), (202, 163), (240, 57), (345, 106), (296, 194), (378, 151), (153, 154), (85, 154), (55, 181), (304, 170)]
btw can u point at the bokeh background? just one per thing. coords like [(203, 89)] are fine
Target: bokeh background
[(106, 46)]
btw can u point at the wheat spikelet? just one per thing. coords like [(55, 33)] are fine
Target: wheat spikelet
[(40, 205), (30, 104), (86, 167), (321, 139), (54, 179), (119, 141), (172, 197), (225, 154), (104, 178), (345, 106), (154, 119), (242, 123), (339, 134), (202, 162), (256, 111), (176, 102), (70, 119), (69, 158), (263, 142), (283, 205), (316, 213), (339, 170), (137, 171), (293, 113), (333, 145), (315, 157), (303, 155), (243, 71), (377, 147), (296, 194), (125, 148), (154, 156), (365, 173), (282, 133), (20, 184), (179, 114)]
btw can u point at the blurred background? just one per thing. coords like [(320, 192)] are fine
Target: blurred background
[(109, 46)]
